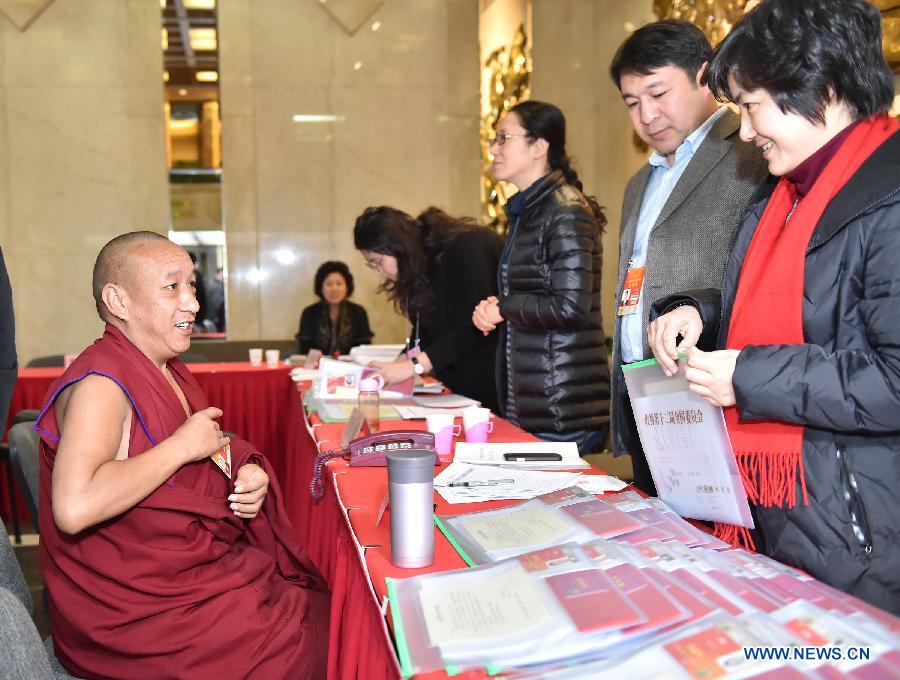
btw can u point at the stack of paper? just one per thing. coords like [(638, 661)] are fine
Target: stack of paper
[(565, 515), (465, 483), (422, 412), (446, 401), (363, 354), (604, 609), (301, 374), (428, 385)]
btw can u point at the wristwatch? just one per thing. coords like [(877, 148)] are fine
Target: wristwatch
[(418, 368)]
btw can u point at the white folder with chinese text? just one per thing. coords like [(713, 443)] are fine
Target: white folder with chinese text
[(687, 446)]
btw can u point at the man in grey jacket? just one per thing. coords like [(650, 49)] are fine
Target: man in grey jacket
[(681, 209)]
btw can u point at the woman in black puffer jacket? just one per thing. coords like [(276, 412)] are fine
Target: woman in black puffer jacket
[(553, 379)]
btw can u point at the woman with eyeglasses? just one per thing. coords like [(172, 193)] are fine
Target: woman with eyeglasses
[(802, 347), (552, 369), (435, 268)]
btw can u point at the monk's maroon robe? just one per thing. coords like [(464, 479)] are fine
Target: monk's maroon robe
[(177, 586)]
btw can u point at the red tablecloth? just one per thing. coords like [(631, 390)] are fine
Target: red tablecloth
[(354, 554), (255, 400)]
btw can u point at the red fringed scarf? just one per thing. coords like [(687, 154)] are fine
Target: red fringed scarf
[(768, 311)]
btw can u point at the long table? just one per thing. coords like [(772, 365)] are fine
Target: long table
[(354, 553), (255, 400), (340, 531)]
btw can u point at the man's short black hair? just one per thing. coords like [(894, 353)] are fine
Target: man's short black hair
[(804, 51), (331, 267), (669, 42)]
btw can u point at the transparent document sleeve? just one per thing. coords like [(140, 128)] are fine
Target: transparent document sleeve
[(687, 447)]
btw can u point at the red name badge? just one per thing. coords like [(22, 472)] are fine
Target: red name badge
[(631, 293)]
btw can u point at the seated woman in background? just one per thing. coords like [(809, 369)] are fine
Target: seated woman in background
[(805, 336), (555, 380), (333, 324), (435, 268)]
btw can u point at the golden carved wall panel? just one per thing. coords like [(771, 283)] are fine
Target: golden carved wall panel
[(716, 17), (890, 23), (509, 69)]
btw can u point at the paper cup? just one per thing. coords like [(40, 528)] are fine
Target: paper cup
[(442, 427), (477, 423), (272, 357), (256, 356)]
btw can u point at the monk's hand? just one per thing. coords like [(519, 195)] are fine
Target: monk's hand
[(487, 315), (663, 333), (709, 375), (250, 489), (200, 435)]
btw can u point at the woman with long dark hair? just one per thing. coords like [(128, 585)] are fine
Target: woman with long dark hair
[(333, 325), (553, 375), (435, 268)]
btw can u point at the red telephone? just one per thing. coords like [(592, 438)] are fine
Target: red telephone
[(372, 449)]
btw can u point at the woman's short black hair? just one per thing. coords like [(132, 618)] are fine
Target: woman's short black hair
[(331, 267), (669, 42), (803, 53)]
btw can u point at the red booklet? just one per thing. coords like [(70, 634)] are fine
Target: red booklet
[(594, 602), (696, 585), (693, 603), (604, 520), (744, 590), (660, 610)]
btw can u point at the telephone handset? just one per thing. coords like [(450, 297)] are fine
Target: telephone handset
[(372, 449)]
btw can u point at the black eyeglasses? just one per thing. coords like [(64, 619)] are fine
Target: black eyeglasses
[(500, 139)]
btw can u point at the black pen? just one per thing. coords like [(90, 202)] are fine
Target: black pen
[(491, 482)]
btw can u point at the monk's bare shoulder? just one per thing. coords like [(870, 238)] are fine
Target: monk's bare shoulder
[(94, 399)]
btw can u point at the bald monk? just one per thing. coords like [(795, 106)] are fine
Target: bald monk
[(157, 564)]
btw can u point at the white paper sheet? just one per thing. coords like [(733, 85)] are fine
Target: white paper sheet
[(527, 527), (421, 412), (522, 484), (499, 604), (600, 484)]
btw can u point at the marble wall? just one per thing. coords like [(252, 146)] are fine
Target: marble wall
[(83, 157), (402, 97), (600, 137)]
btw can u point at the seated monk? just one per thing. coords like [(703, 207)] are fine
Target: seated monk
[(157, 563)]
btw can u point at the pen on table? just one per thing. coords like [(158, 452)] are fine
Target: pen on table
[(490, 482)]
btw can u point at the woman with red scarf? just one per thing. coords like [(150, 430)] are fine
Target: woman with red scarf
[(806, 331)]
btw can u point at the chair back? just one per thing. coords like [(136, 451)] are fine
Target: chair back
[(22, 655), (11, 577), (45, 362), (24, 457)]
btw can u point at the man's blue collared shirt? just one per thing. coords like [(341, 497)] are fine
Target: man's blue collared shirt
[(662, 181)]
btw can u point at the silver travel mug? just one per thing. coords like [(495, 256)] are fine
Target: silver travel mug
[(411, 488)]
